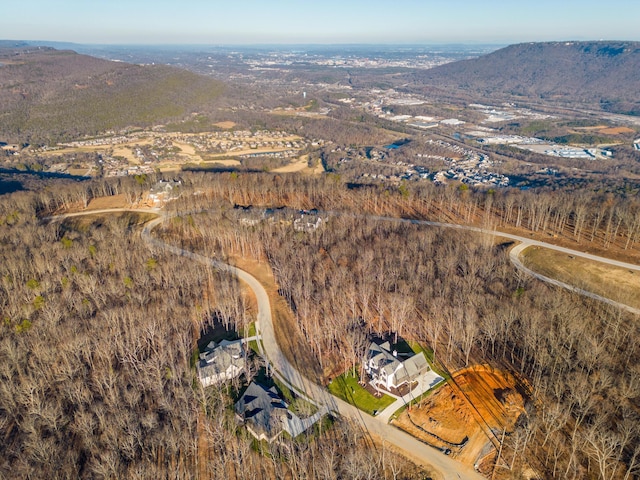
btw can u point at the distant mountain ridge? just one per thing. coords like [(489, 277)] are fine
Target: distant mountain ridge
[(597, 74), (49, 95)]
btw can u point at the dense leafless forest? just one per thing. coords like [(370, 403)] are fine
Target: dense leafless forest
[(96, 376), (602, 74), (96, 350), (461, 296), (50, 95)]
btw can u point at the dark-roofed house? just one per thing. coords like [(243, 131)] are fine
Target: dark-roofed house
[(386, 370), (219, 363), (266, 416)]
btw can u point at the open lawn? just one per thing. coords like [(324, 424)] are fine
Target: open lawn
[(295, 166), (301, 165), (616, 130), (348, 389), (618, 284), (85, 222)]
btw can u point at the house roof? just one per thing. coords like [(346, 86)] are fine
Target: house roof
[(416, 364), (263, 408), (218, 359), (381, 357)]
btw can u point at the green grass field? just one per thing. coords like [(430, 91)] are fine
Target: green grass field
[(348, 389)]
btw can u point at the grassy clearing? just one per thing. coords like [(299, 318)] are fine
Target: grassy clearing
[(616, 283), (114, 201), (348, 389), (253, 345), (86, 222), (252, 332)]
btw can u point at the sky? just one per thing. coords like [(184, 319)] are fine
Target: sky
[(238, 22)]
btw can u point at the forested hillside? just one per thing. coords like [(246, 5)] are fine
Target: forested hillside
[(594, 74), (455, 292), (95, 351), (96, 377), (49, 95)]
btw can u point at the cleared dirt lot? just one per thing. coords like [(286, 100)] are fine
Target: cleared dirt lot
[(479, 402), (618, 284)]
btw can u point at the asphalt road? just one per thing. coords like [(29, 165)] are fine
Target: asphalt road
[(514, 256), (441, 465)]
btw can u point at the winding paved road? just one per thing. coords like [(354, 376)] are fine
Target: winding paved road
[(443, 466), (417, 451), (516, 251)]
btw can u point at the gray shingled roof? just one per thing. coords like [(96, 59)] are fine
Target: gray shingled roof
[(263, 409), (216, 360), (406, 371)]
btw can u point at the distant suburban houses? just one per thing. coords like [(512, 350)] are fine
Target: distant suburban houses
[(266, 416), (221, 362), (386, 370), (302, 220)]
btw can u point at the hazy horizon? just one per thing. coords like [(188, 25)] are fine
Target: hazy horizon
[(286, 22)]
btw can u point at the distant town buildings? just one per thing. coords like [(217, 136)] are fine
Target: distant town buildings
[(451, 122), (538, 145), (507, 112)]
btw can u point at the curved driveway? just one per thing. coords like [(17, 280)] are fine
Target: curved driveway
[(431, 458)]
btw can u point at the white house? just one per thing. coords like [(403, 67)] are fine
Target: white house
[(307, 222), (386, 370), (163, 191), (219, 363)]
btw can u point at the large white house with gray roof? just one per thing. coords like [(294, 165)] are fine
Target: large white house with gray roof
[(221, 362), (388, 371)]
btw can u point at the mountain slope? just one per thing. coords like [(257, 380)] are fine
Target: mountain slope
[(49, 94), (603, 74)]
